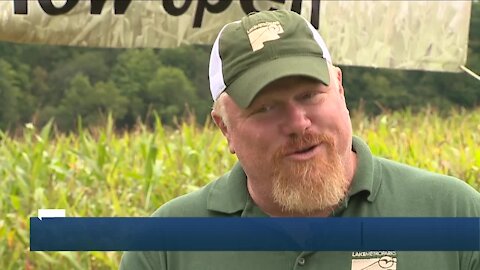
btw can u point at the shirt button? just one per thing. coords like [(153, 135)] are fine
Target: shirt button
[(301, 261)]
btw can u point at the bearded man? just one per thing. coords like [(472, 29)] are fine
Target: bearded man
[(280, 103)]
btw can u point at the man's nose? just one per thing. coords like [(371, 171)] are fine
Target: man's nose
[(296, 120)]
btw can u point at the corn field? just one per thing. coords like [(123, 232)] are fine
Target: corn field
[(104, 172)]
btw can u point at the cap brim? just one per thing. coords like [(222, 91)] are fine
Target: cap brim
[(244, 89)]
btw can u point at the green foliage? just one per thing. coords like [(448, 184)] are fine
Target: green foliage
[(91, 64), (169, 92), (9, 95), (134, 69), (131, 74), (103, 173), (91, 103), (193, 60), (15, 105)]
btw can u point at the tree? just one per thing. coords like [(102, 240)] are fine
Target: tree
[(134, 69), (9, 95), (193, 60), (16, 101), (169, 92), (91, 103), (92, 64)]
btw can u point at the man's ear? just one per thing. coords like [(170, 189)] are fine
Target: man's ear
[(224, 128), (219, 122), (338, 77)]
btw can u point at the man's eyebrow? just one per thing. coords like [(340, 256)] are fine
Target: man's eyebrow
[(265, 98)]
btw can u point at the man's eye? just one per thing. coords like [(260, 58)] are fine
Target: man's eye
[(264, 108), (309, 95), (313, 96)]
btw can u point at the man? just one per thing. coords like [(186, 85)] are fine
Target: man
[(280, 103)]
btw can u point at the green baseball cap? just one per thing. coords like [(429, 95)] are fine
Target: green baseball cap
[(262, 47)]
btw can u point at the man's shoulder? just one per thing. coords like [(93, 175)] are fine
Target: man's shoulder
[(448, 194), (419, 178), (193, 204)]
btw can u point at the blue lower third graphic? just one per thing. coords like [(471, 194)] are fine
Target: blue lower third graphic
[(254, 234)]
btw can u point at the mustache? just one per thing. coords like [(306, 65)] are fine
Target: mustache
[(301, 142)]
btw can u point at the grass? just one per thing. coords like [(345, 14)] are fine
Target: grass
[(101, 172)]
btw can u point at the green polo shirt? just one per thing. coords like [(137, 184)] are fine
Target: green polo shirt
[(380, 188)]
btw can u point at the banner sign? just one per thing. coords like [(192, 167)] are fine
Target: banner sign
[(429, 35)]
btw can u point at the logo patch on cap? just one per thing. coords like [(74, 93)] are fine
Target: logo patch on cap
[(263, 32)]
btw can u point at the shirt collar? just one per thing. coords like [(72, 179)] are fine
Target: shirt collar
[(367, 177)]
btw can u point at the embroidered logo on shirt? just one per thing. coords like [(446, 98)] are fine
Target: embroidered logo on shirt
[(374, 260), (262, 32)]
